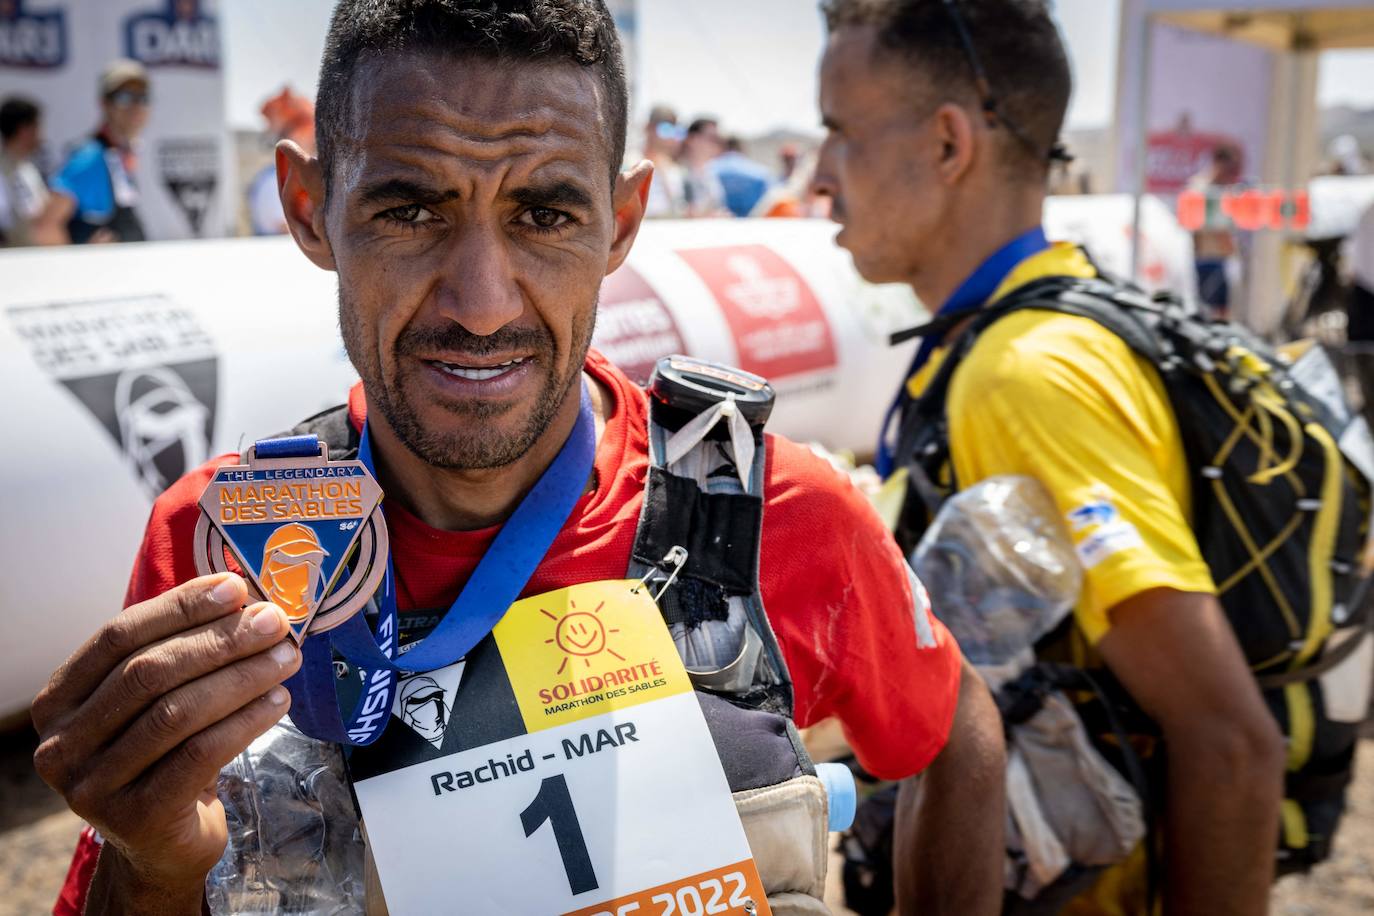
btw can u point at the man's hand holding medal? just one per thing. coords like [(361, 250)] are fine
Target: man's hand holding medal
[(136, 725)]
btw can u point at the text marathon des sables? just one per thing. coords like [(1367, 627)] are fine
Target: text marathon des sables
[(264, 502)]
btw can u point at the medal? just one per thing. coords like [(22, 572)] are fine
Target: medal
[(307, 532)]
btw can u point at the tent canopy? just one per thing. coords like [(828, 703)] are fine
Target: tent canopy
[(1294, 31), (1315, 29)]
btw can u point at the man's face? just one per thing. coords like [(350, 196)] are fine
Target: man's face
[(704, 145), (27, 140), (470, 220), (877, 161), (126, 109), (1226, 169)]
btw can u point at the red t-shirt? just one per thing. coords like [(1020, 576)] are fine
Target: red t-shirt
[(857, 633)]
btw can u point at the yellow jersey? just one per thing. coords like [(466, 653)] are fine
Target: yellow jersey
[(1064, 400)]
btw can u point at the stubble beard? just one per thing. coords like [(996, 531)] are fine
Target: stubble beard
[(479, 445)]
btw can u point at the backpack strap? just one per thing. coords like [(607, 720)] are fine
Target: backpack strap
[(333, 429), (704, 494), (923, 436)]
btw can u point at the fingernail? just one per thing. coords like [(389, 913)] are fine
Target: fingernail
[(277, 696), (269, 620), (227, 591), (282, 653)]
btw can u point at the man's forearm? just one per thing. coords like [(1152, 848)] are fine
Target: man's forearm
[(948, 846), (1222, 827), (116, 888)]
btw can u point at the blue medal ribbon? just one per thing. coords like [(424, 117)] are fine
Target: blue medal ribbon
[(494, 586), (976, 290)]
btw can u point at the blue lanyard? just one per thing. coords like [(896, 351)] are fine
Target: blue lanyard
[(494, 586), (970, 295)]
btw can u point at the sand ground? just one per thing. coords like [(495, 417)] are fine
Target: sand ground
[(37, 834)]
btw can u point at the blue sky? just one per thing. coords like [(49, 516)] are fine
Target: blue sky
[(750, 62)]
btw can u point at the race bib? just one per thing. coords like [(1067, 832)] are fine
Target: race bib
[(563, 767)]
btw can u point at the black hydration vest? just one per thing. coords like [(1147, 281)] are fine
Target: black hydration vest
[(747, 702), (1280, 516)]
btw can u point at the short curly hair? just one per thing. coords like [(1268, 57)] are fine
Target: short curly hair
[(578, 31), (1017, 43), (15, 114)]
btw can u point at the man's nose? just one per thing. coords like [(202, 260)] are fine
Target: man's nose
[(823, 183), (479, 290)]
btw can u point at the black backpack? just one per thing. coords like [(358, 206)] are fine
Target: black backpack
[(1279, 511)]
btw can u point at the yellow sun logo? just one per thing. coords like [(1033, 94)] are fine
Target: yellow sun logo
[(580, 634)]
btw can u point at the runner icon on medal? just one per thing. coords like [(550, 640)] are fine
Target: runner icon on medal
[(291, 561)]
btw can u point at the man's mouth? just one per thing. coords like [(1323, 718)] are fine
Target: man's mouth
[(478, 373)]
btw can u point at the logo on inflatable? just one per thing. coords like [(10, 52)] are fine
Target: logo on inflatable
[(162, 425), (144, 368), (35, 41), (180, 35), (190, 170), (779, 326), (633, 326)]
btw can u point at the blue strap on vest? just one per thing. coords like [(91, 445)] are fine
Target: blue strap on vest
[(971, 295), (494, 586)]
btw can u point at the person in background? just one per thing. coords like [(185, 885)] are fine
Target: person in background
[(662, 146), (100, 175), (703, 192), (289, 117), (943, 121), (788, 157), (1359, 327), (1215, 249), (743, 181), (29, 214), (1346, 157)]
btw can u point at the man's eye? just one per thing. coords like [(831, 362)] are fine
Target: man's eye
[(410, 213), (543, 218)]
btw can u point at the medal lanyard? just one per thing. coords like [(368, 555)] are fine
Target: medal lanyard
[(971, 295), (494, 586)]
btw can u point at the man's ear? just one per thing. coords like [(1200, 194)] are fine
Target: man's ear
[(300, 183), (630, 196), (955, 136)]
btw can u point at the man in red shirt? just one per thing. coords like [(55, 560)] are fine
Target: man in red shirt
[(467, 195)]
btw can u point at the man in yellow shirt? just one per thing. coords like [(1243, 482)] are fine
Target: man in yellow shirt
[(943, 117)]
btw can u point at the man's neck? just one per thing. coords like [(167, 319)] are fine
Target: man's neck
[(453, 500), (969, 238)]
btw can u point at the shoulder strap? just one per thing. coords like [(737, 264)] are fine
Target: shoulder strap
[(334, 430), (923, 430), (704, 494), (1125, 311)]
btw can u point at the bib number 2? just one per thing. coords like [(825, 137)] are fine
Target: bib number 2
[(554, 804)]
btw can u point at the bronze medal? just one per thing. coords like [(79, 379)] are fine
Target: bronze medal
[(306, 532)]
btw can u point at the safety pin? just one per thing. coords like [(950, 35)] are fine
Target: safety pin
[(677, 558)]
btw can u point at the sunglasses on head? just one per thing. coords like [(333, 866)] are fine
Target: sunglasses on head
[(126, 98), (992, 114)]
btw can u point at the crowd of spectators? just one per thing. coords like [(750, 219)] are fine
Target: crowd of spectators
[(701, 172), (93, 196)]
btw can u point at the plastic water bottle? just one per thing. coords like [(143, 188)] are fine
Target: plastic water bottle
[(1000, 567), (840, 790)]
